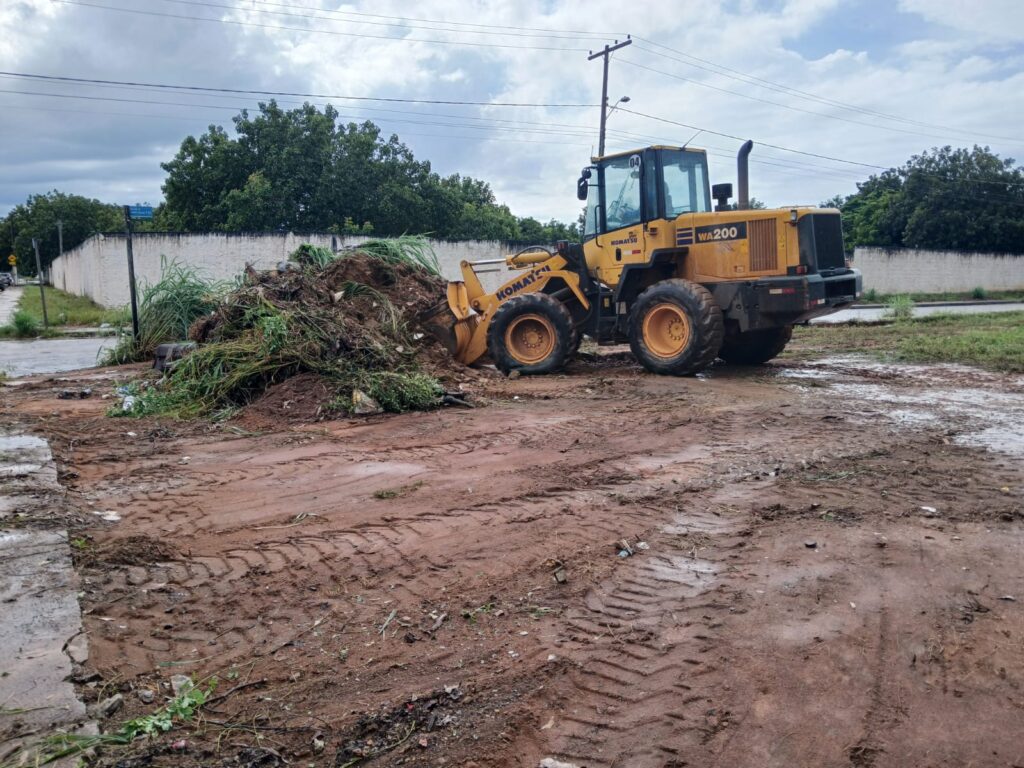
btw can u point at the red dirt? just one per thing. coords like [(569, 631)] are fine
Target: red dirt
[(796, 605)]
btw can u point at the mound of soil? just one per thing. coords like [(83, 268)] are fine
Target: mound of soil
[(300, 399)]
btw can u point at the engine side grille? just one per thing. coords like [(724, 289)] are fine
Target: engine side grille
[(764, 255)]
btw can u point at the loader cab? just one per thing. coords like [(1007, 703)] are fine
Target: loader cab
[(632, 188)]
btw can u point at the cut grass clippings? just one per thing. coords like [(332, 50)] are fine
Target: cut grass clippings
[(992, 340), (348, 317)]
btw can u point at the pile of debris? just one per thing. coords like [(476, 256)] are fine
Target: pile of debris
[(352, 319)]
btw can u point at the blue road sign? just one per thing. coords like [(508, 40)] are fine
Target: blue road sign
[(140, 211)]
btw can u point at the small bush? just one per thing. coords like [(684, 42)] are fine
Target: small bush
[(899, 308), (166, 311), (24, 324), (871, 296), (979, 293)]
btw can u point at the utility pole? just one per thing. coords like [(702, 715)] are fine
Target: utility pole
[(39, 275), (131, 272), (606, 54), (60, 236)]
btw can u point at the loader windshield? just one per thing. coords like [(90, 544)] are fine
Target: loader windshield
[(684, 182)]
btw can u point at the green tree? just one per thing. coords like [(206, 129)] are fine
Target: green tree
[(38, 217), (944, 199), (302, 170)]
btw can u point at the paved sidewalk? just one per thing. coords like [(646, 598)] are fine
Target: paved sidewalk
[(40, 620), (8, 303)]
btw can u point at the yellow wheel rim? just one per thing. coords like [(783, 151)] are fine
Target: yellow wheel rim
[(666, 330), (530, 339)]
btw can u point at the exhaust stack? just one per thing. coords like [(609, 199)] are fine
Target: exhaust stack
[(743, 176)]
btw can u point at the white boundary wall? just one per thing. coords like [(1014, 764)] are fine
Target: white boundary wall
[(909, 270), (98, 268)]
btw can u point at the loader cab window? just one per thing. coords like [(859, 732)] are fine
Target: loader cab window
[(684, 182), (621, 185)]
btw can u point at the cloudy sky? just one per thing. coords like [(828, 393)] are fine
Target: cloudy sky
[(848, 84)]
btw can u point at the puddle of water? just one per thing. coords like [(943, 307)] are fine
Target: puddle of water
[(912, 417), (1001, 438), (995, 419), (19, 470)]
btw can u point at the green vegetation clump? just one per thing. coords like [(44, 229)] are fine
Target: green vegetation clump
[(23, 325), (979, 293), (180, 710)]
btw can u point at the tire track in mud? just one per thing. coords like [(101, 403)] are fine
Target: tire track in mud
[(645, 648), (397, 554)]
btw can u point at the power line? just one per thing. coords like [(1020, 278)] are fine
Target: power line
[(507, 31), (813, 154), (738, 138), (592, 33), (178, 117), (760, 82), (309, 30), (254, 92), (237, 107), (786, 106)]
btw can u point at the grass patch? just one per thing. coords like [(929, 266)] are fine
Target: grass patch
[(899, 308), (24, 326), (871, 296), (993, 340), (66, 309)]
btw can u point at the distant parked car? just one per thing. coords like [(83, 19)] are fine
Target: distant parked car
[(6, 279)]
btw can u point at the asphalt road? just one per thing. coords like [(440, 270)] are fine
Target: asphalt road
[(876, 313), (25, 358)]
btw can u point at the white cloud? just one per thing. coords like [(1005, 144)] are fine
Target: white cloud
[(998, 20), (955, 77)]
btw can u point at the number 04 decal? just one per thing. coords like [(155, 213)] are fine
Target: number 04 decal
[(720, 232)]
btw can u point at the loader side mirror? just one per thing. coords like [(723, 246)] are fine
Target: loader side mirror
[(582, 188), (721, 193), (583, 185)]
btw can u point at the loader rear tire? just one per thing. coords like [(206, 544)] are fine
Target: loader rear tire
[(676, 328), (755, 347), (532, 334)]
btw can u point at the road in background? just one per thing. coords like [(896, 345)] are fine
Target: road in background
[(868, 314), (25, 358)]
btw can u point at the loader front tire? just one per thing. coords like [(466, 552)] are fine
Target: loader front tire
[(532, 334), (755, 347), (676, 328)]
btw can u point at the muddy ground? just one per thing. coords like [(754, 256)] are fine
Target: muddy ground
[(826, 571)]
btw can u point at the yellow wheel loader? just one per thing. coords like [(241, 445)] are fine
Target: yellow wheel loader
[(659, 269)]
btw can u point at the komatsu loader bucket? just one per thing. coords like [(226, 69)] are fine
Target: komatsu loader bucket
[(453, 322)]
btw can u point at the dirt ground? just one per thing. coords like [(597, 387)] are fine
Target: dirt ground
[(826, 570)]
